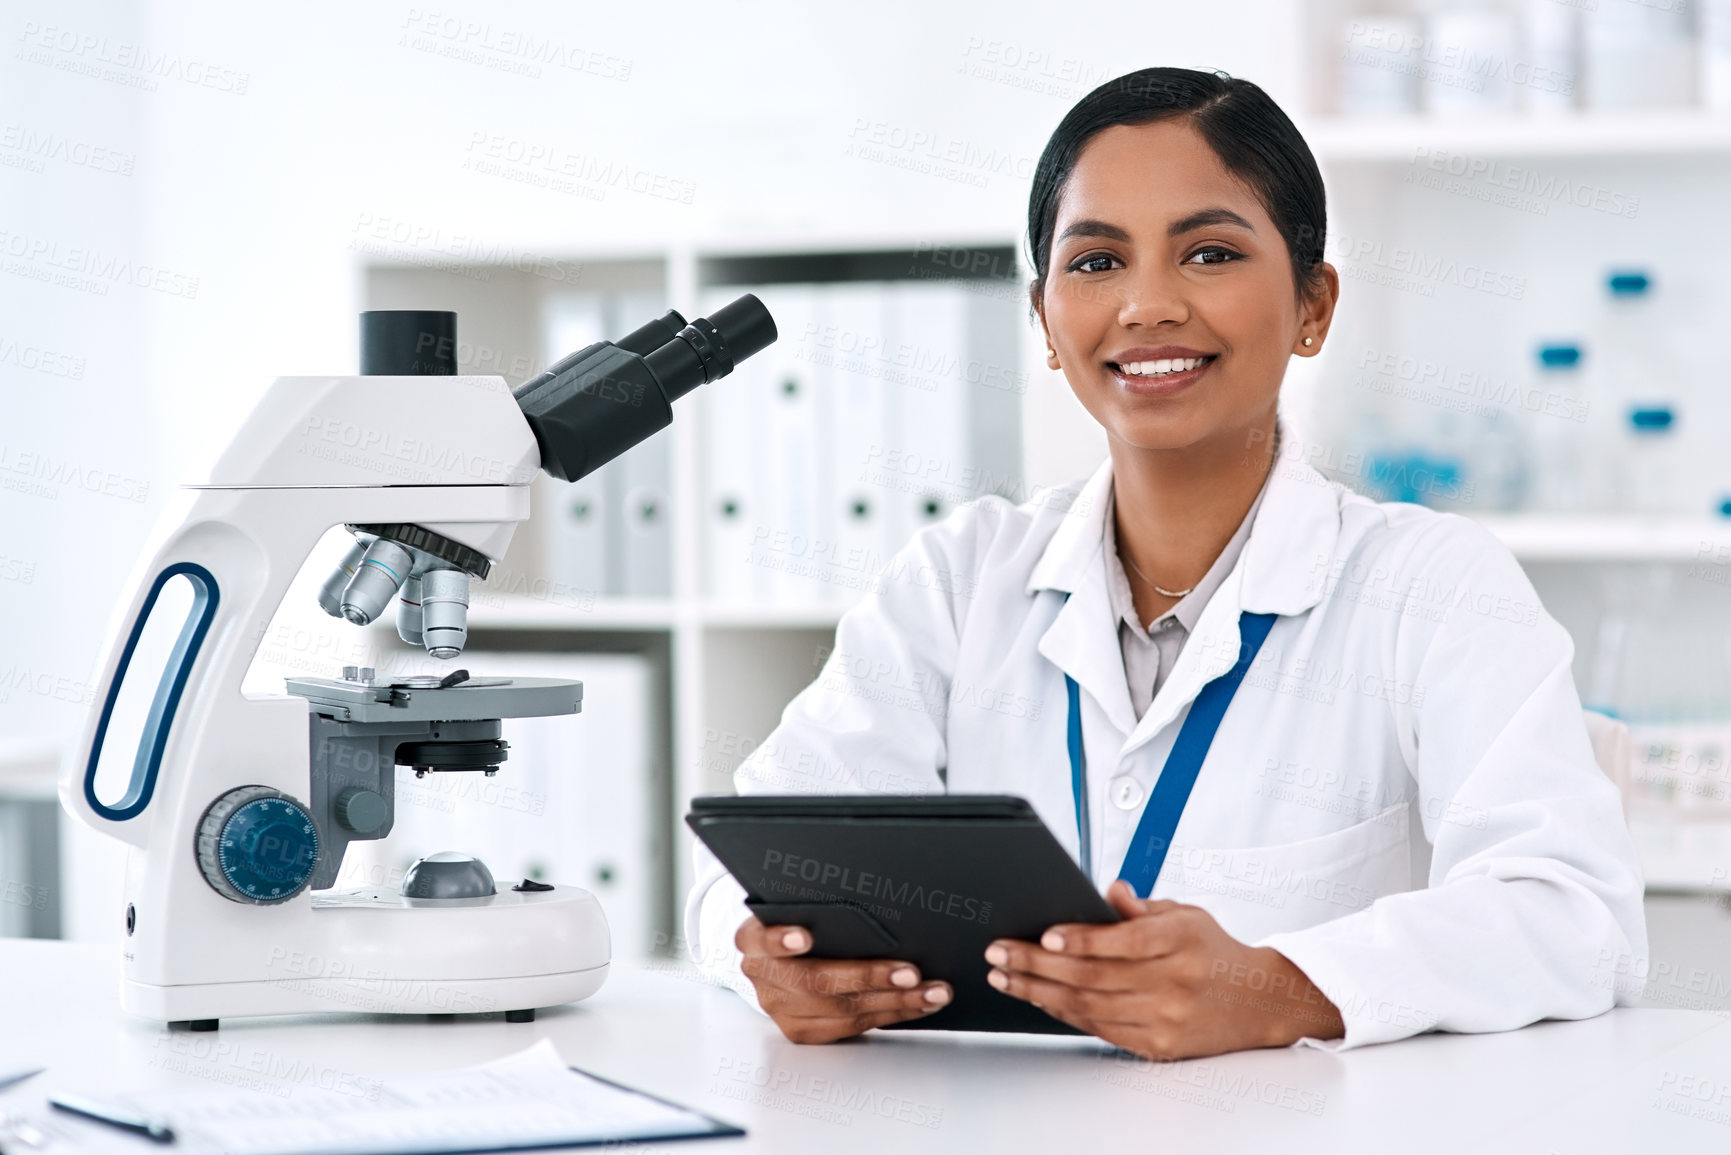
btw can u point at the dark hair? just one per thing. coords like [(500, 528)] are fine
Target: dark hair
[(1245, 128)]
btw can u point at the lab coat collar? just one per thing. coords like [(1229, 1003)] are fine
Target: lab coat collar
[(1283, 570)]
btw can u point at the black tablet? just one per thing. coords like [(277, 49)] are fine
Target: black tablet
[(930, 879)]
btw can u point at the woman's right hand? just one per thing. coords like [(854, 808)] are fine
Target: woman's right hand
[(823, 1000)]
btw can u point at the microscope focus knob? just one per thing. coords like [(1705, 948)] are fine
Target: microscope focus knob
[(257, 845)]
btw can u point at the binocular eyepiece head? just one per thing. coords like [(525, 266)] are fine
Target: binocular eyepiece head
[(585, 410)]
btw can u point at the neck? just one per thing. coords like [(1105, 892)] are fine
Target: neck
[(1175, 509)]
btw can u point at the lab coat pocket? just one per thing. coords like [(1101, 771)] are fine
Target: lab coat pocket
[(1256, 891)]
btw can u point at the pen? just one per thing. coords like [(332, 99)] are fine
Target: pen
[(18, 1077), (149, 1128)]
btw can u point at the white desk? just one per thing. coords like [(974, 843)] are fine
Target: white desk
[(1615, 1083)]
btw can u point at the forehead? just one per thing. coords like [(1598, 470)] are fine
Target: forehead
[(1144, 175)]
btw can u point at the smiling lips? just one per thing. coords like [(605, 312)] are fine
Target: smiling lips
[(1142, 372), (1161, 367)]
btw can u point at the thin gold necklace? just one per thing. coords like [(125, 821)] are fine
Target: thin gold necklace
[(1151, 581)]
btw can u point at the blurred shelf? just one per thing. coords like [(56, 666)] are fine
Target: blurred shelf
[(1682, 854), (612, 614), (530, 613), (1610, 537), (1682, 132), (30, 767), (750, 615)]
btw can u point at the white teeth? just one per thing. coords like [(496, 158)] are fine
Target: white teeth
[(1161, 367)]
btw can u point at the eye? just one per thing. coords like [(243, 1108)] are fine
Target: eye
[(1213, 255), (1092, 263)]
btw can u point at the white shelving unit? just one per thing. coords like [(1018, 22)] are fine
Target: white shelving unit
[(1556, 538), (731, 667), (1486, 189), (1398, 139)]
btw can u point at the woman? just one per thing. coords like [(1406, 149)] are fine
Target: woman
[(1399, 827)]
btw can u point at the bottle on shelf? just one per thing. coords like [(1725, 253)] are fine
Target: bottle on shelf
[(1563, 480), (1552, 36), (1714, 53), (1648, 459), (1639, 55), (1470, 58), (1377, 66), (1632, 382)]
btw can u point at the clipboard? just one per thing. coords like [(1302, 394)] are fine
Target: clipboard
[(929, 879)]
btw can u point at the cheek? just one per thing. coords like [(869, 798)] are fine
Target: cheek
[(1078, 315), (1253, 317)]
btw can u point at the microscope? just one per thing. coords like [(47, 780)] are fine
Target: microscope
[(238, 808)]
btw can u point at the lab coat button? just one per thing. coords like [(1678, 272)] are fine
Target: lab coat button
[(1126, 793)]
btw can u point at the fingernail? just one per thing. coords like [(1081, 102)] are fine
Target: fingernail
[(905, 976), (794, 940), (998, 979), (997, 955), (937, 995), (1052, 940)]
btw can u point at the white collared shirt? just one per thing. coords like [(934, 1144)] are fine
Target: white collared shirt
[(1401, 799), (1151, 651)]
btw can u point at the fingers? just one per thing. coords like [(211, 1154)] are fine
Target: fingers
[(834, 977), (822, 1000), (753, 937), (1122, 897), (1156, 928), (1101, 974), (811, 989), (1074, 1005), (830, 1029)]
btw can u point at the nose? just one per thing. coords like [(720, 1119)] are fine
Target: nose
[(1153, 294)]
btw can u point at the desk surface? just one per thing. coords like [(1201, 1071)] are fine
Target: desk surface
[(1629, 1081)]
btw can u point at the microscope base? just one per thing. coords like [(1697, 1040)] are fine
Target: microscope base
[(375, 952), (198, 1005)]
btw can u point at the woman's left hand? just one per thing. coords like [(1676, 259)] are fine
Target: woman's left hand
[(1166, 983)]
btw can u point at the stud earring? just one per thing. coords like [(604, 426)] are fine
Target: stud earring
[(1051, 357), (1309, 341)]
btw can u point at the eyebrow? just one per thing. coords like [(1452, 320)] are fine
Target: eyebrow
[(1199, 219), (1094, 228), (1202, 218)]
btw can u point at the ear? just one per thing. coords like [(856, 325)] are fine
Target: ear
[(1316, 311), (1037, 302)]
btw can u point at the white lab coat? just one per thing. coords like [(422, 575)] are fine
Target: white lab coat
[(1401, 799)]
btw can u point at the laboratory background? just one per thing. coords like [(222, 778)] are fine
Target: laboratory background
[(1527, 208)]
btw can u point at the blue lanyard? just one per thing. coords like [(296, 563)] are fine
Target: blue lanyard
[(1153, 837)]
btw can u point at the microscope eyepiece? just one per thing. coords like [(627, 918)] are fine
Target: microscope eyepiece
[(408, 343), (597, 403)]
